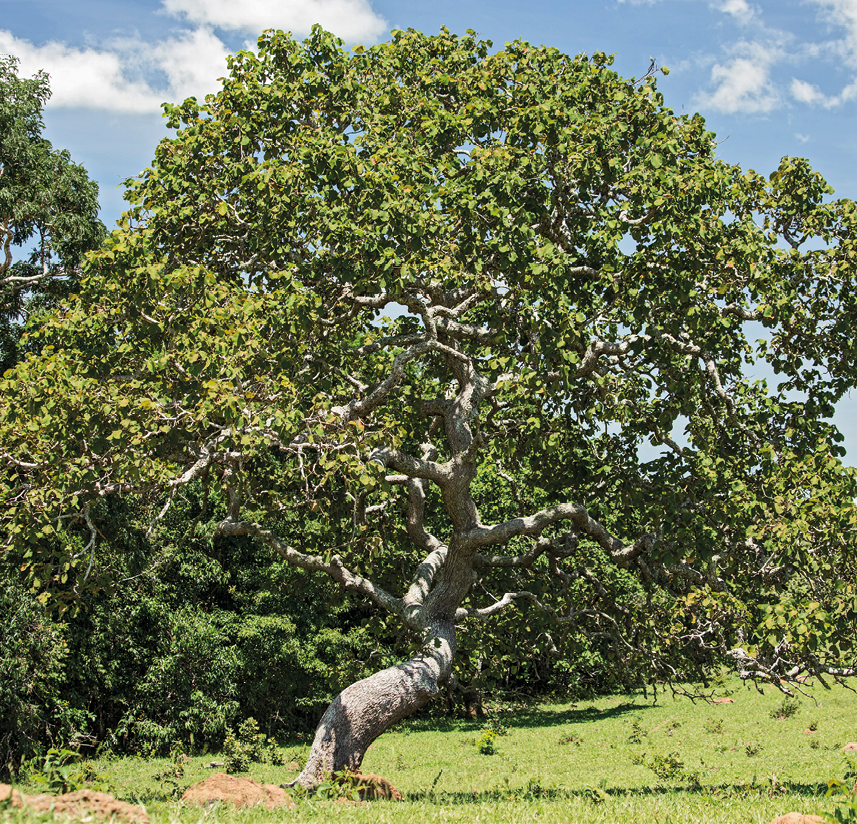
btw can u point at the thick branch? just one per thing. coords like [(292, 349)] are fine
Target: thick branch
[(334, 568)]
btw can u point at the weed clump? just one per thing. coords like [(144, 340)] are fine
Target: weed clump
[(637, 733), (62, 770), (249, 746), (487, 743), (786, 709)]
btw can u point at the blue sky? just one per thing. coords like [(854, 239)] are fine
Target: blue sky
[(772, 78)]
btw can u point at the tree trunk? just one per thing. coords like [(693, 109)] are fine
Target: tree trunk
[(361, 712)]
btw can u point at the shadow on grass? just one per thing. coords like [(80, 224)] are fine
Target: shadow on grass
[(533, 791), (521, 718)]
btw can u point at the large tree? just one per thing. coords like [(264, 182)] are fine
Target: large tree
[(467, 332), (46, 201)]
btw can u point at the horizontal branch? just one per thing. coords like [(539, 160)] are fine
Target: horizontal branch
[(334, 568)]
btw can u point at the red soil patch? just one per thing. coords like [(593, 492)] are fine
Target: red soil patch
[(375, 786), (851, 746), (722, 700), (797, 818), (79, 804), (242, 792)]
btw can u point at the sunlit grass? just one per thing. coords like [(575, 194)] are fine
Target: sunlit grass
[(584, 762)]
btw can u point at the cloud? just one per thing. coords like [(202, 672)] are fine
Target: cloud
[(134, 76), (741, 10), (804, 92), (191, 62), (350, 19), (743, 84), (802, 138), (85, 78), (113, 77), (843, 13)]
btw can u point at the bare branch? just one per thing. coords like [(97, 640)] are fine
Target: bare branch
[(334, 568)]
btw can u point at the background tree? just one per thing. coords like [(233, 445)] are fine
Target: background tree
[(45, 199), (426, 290)]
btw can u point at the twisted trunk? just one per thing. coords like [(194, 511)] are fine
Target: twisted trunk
[(361, 712)]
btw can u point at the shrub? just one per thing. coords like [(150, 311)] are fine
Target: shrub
[(33, 653)]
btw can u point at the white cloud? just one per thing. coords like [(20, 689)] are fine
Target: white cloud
[(350, 19), (110, 77), (741, 10), (802, 138), (811, 95), (744, 84), (805, 92), (192, 62), (86, 78), (122, 75), (843, 13)]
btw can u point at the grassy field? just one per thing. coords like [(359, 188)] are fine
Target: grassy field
[(614, 759)]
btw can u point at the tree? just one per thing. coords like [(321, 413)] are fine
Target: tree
[(44, 197), (569, 277)]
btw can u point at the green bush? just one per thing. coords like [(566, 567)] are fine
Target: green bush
[(33, 652)]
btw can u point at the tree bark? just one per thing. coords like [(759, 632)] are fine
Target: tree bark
[(364, 710)]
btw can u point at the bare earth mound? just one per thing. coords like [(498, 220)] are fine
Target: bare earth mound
[(797, 818), (376, 786), (79, 804), (242, 792)]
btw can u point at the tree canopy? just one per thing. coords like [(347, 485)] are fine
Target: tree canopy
[(45, 199), (471, 333)]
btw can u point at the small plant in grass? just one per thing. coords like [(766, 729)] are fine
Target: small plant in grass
[(62, 770), (253, 740), (671, 768), (715, 727), (786, 709), (637, 733), (813, 727), (497, 726), (814, 744), (487, 743), (753, 748), (570, 739), (250, 746), (597, 795), (170, 778), (667, 767), (845, 813), (274, 755), (301, 757), (235, 755)]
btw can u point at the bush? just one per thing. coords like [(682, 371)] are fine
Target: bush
[(33, 654)]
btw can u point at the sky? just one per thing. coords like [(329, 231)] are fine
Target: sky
[(772, 78)]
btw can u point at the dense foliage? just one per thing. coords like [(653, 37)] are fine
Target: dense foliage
[(45, 200)]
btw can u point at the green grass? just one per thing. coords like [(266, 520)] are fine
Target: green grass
[(584, 762)]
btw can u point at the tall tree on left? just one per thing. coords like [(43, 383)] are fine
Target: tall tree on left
[(48, 209)]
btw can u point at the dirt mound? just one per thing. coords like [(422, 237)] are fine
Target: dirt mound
[(242, 792), (79, 804), (851, 746), (797, 818), (372, 787), (722, 700)]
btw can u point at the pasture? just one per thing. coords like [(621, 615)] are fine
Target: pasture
[(613, 759)]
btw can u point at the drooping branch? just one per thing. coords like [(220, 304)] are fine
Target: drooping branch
[(334, 568)]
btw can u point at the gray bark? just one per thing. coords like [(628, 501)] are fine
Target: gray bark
[(364, 710)]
